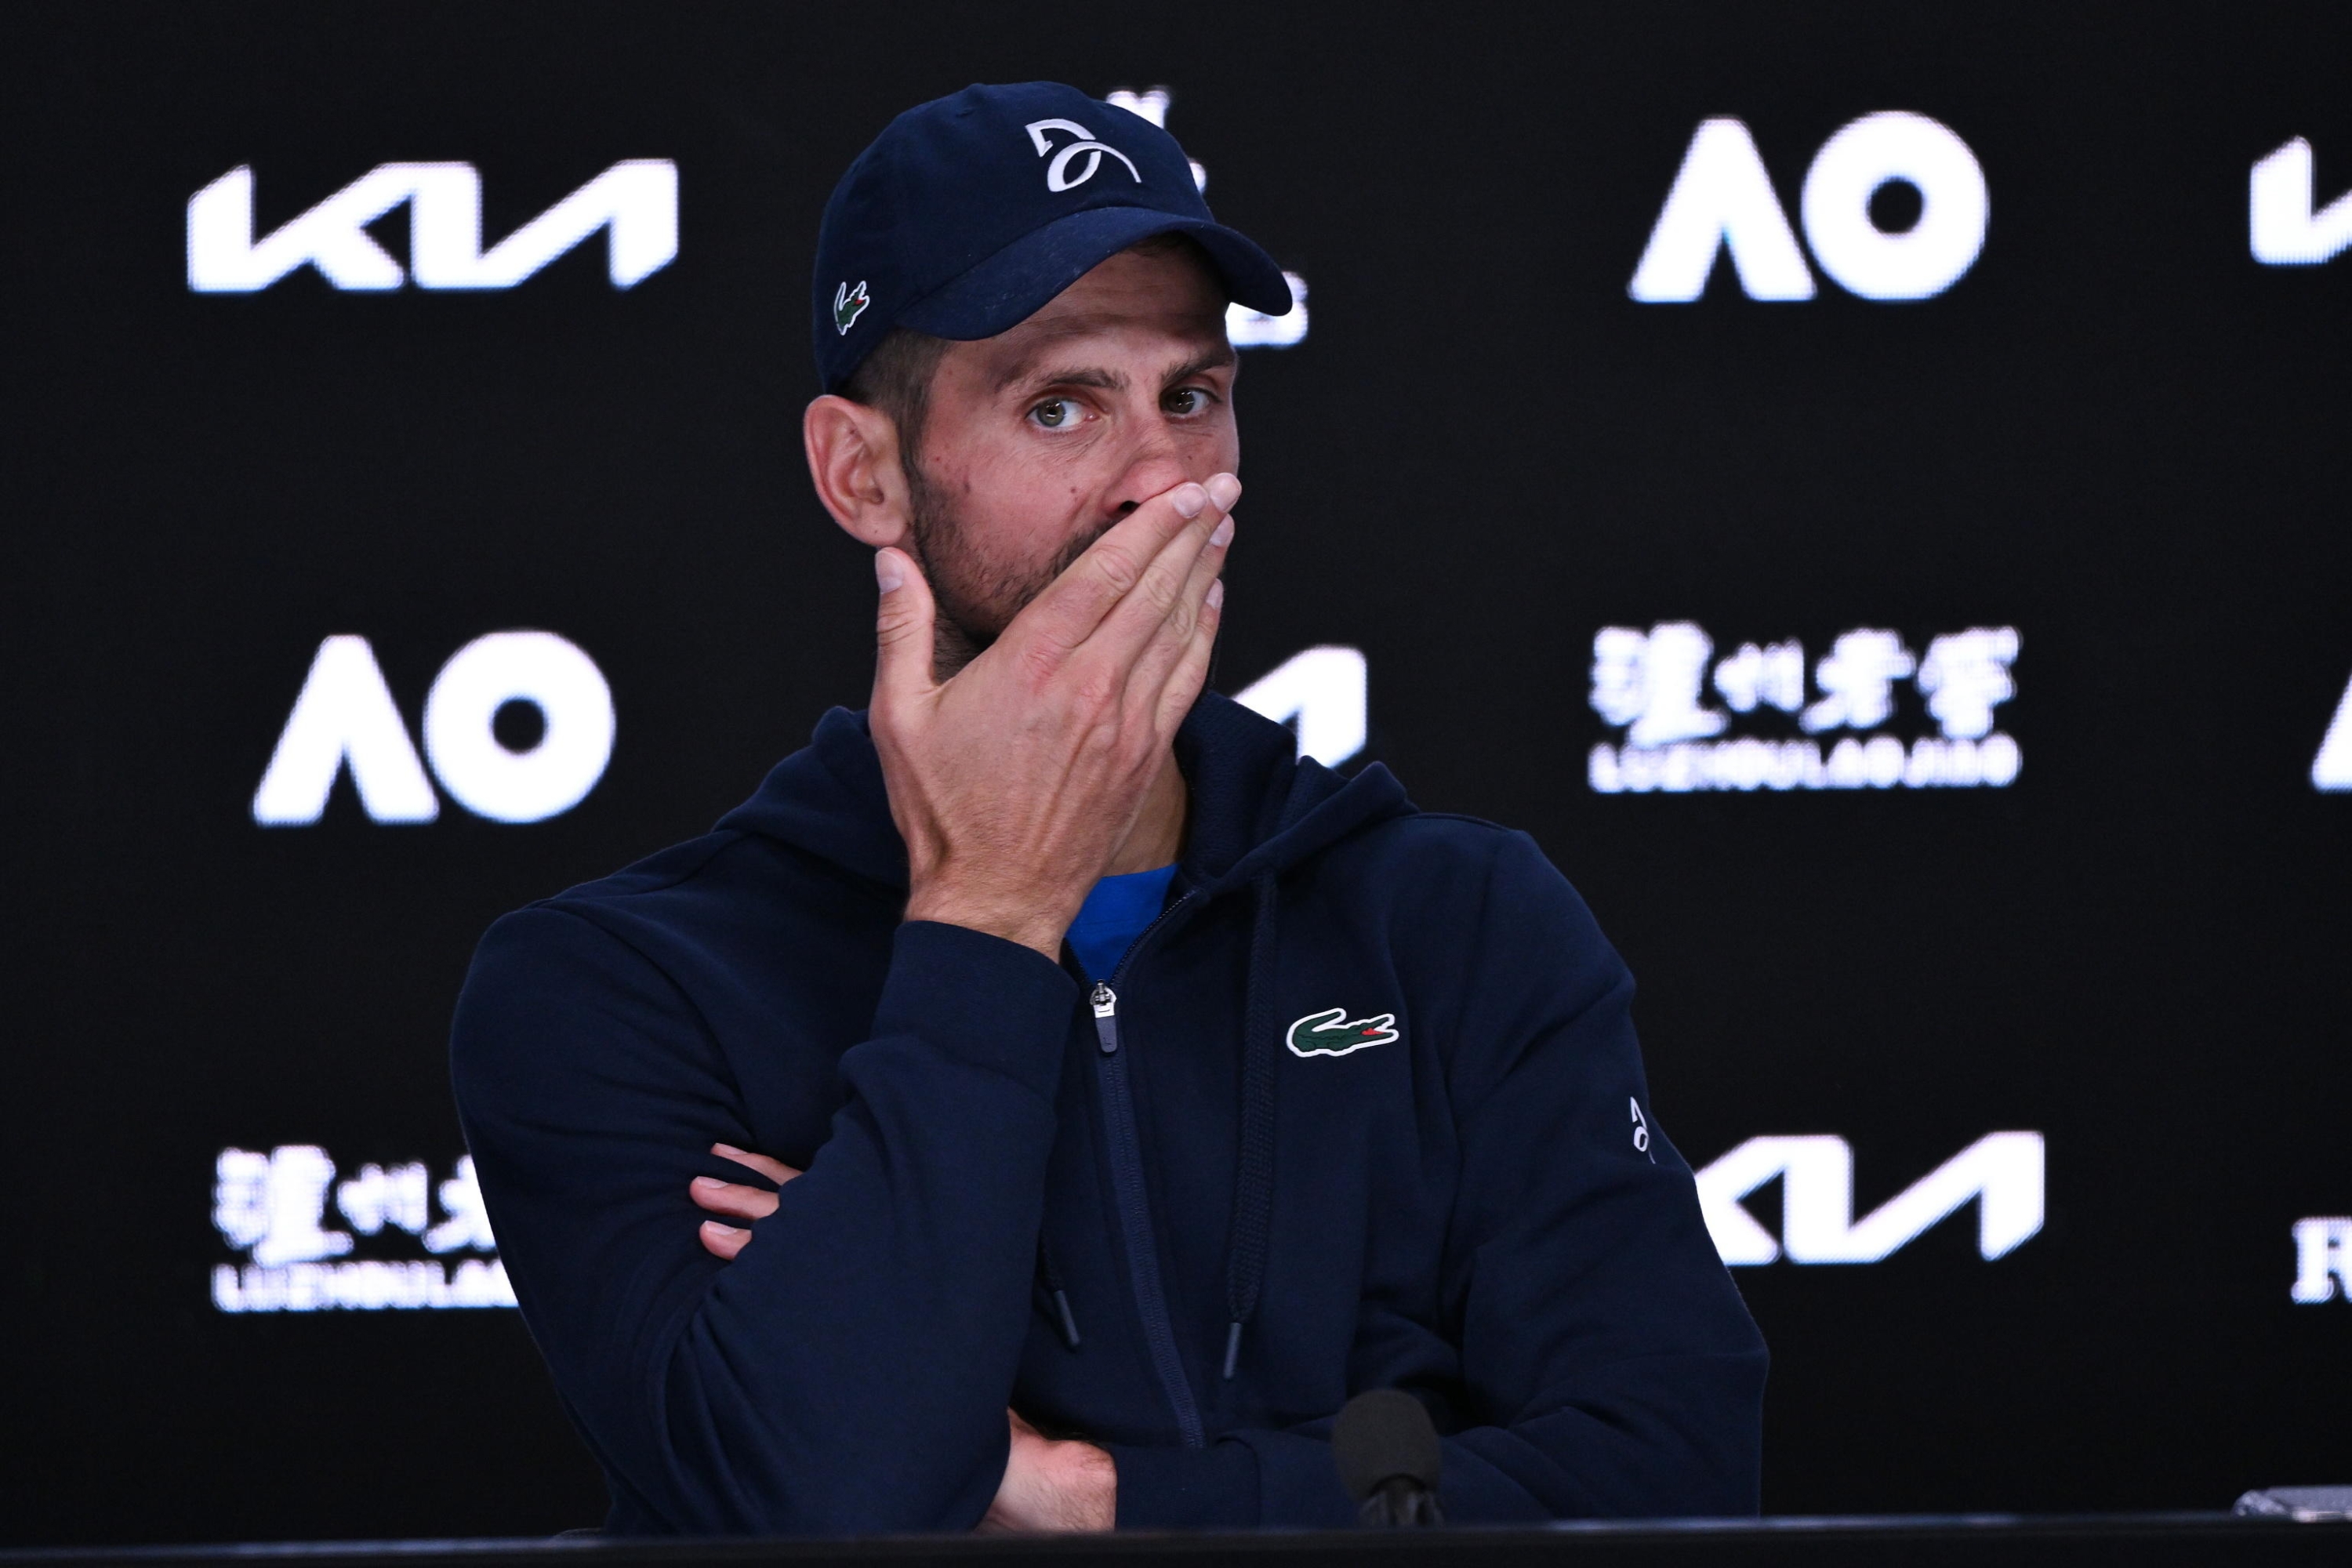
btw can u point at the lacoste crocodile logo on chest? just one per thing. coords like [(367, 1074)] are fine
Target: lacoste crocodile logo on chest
[(1331, 1033)]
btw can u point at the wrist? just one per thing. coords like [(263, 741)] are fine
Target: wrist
[(1016, 922)]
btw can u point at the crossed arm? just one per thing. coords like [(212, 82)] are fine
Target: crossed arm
[(1048, 1485), (1607, 1363)]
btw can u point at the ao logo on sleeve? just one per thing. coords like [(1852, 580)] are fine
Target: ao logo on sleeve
[(1722, 199), (345, 716)]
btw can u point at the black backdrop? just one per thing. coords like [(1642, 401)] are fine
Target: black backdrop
[(2117, 434)]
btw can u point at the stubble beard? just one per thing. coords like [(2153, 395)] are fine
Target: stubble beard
[(976, 596)]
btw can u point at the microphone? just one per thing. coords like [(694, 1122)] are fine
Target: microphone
[(1389, 1457)]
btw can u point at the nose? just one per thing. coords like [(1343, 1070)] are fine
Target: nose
[(1153, 467)]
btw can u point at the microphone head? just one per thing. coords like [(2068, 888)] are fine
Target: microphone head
[(1381, 1435)]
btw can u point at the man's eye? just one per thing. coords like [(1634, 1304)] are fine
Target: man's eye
[(1055, 413), (1186, 400)]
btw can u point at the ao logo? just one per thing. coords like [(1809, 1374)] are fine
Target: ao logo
[(2332, 768), (2282, 227), (1057, 173), (1722, 198), (1321, 693), (345, 714), (634, 202), (2002, 1170)]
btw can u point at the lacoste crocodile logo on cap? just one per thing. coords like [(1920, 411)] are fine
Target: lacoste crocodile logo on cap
[(849, 304), (1331, 1033)]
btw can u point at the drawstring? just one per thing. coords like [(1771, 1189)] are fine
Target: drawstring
[(1253, 1170), (1051, 1277)]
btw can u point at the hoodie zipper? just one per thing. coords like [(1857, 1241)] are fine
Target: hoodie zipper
[(1134, 1207)]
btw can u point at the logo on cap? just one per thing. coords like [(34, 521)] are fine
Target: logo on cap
[(1057, 173), (849, 304)]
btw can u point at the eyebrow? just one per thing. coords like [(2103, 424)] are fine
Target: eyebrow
[(1111, 380), (1217, 358)]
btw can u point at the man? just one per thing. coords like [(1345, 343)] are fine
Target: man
[(1093, 1096)]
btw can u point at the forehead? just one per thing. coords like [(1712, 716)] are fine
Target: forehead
[(1165, 302)]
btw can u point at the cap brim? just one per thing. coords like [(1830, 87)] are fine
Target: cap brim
[(1015, 283)]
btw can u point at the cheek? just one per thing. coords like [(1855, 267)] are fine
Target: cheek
[(1019, 510), (1226, 436), (1211, 445)]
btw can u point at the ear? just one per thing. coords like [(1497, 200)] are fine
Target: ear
[(853, 458)]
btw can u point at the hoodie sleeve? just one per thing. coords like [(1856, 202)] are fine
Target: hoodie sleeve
[(849, 1371), (1609, 1367)]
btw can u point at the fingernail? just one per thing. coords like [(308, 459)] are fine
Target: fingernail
[(1216, 593), (712, 1224), (1223, 534), (1224, 489), (1189, 499), (888, 573), (709, 1181)]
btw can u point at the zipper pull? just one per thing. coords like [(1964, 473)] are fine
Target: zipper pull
[(1105, 1002)]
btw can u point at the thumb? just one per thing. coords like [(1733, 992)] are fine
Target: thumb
[(902, 628)]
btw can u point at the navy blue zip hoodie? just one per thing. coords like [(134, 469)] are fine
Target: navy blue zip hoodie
[(1362, 1108)]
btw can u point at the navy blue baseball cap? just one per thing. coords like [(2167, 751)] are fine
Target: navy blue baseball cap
[(968, 213)]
